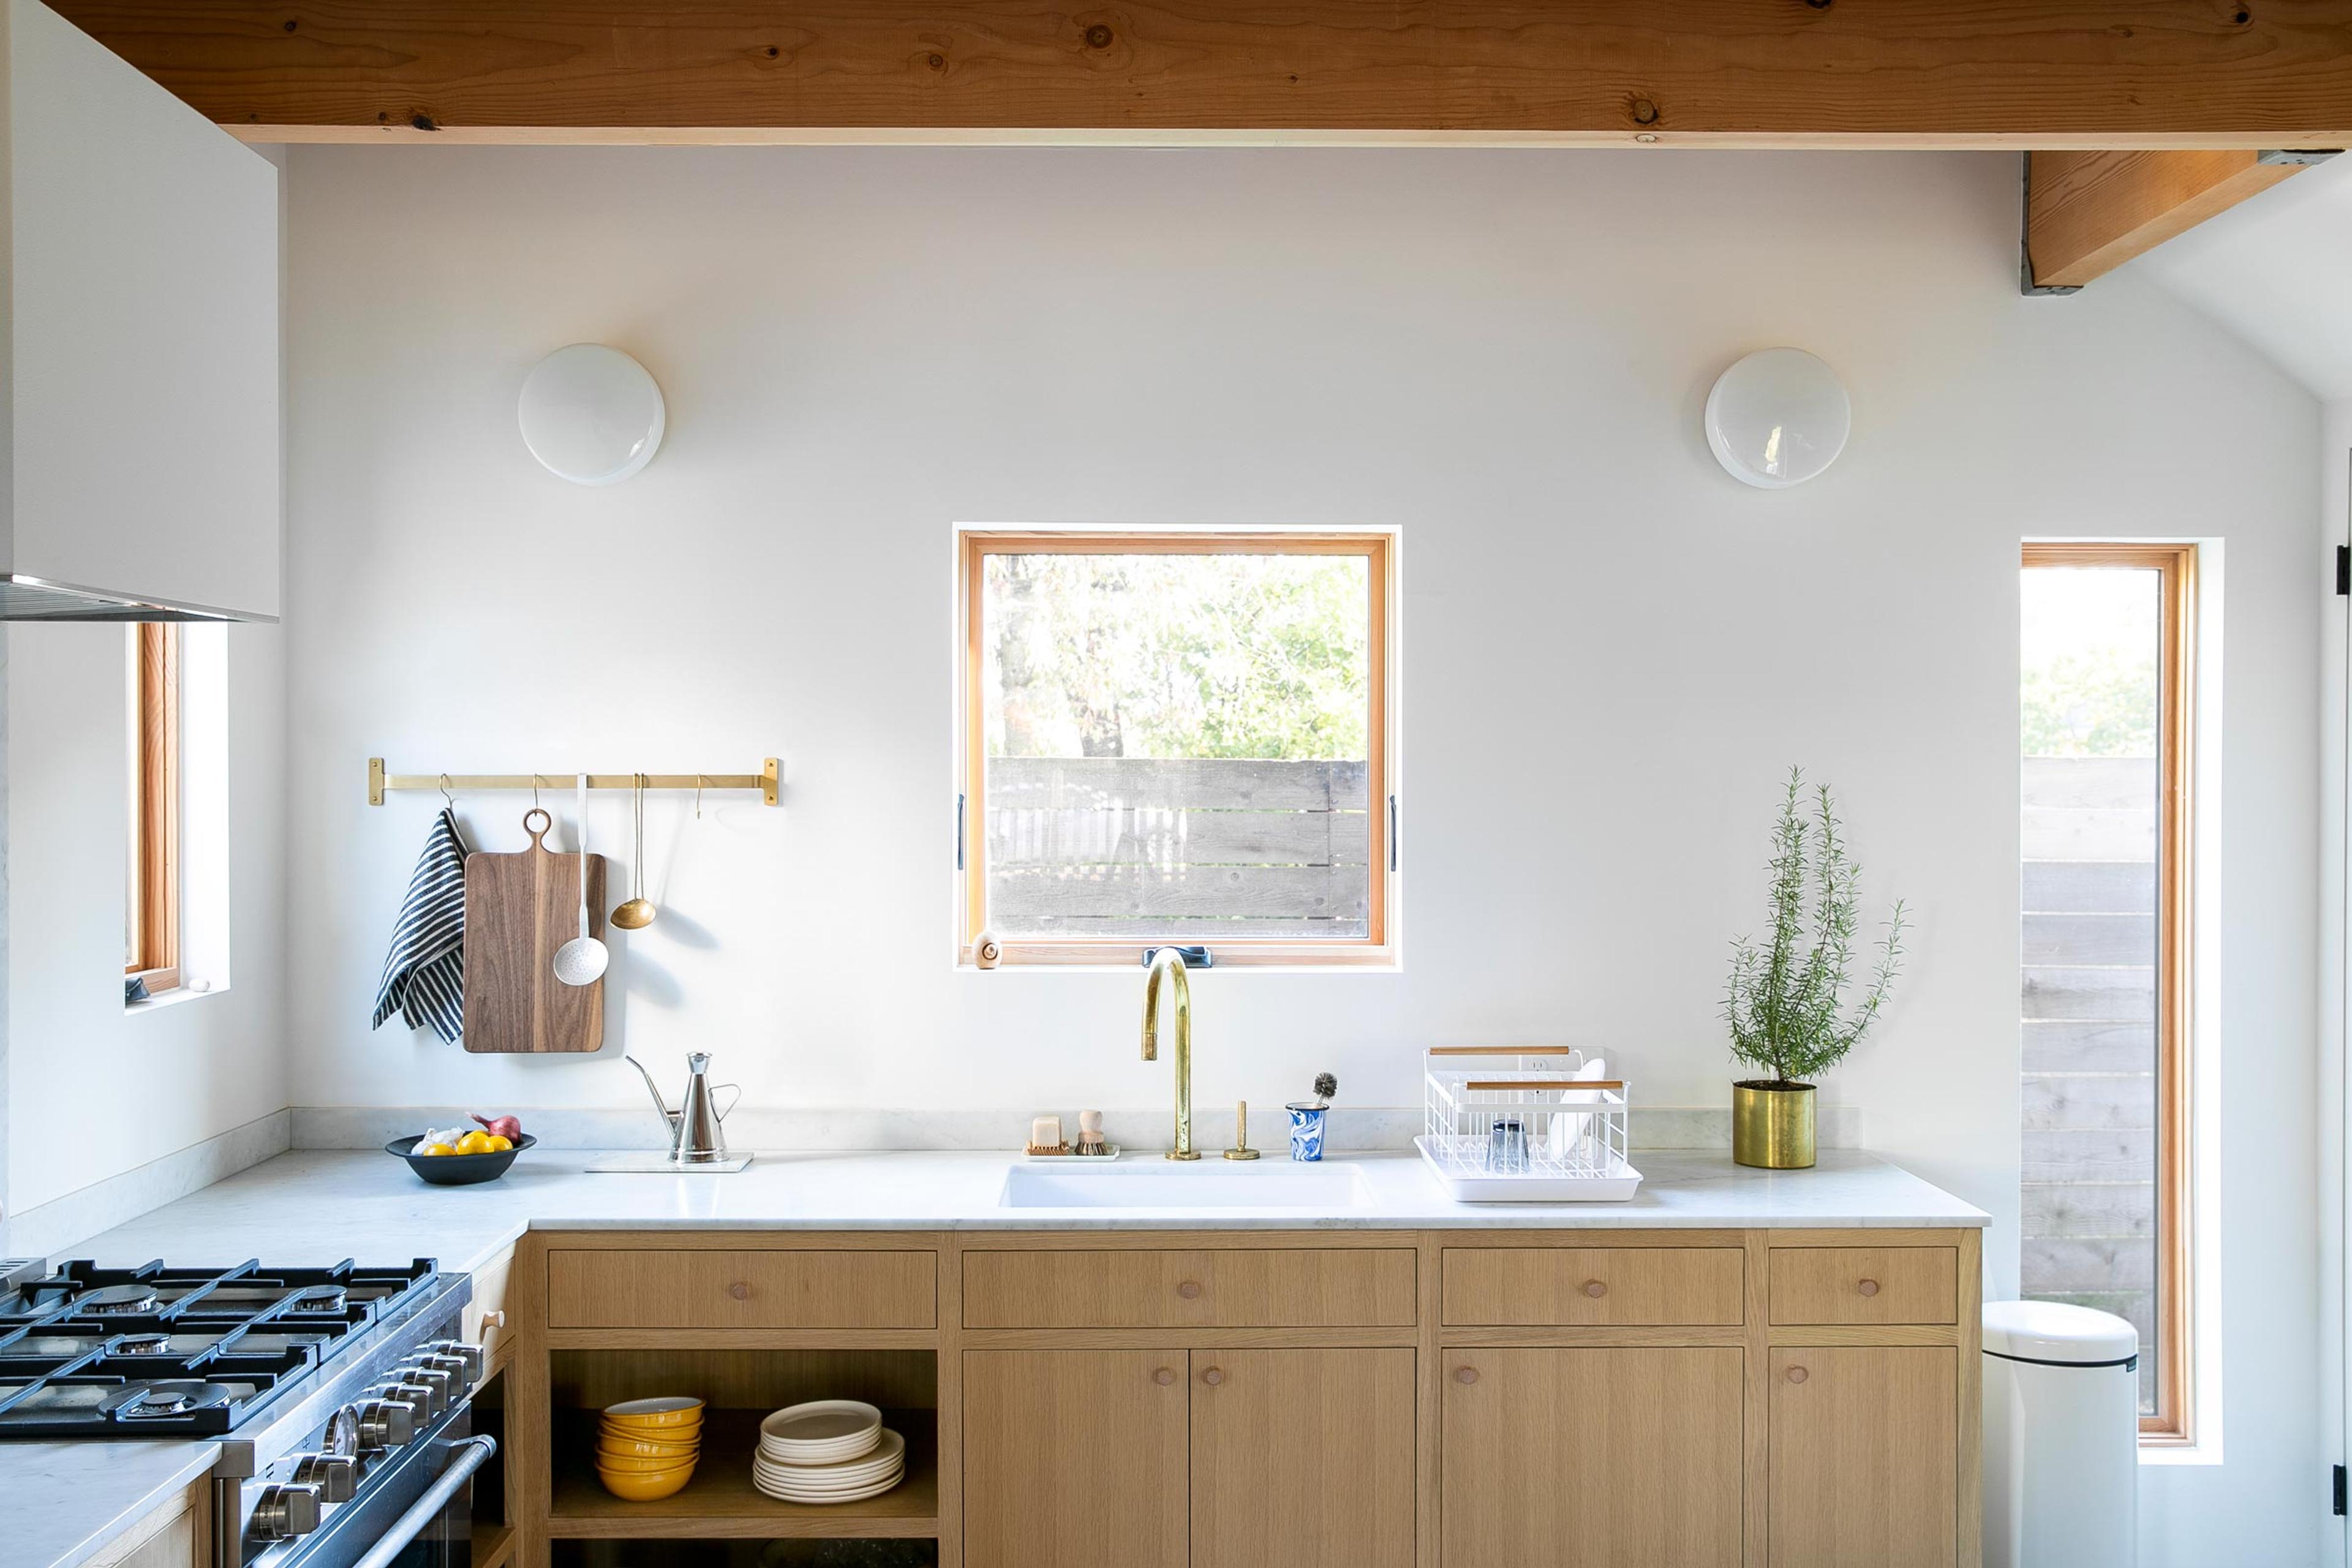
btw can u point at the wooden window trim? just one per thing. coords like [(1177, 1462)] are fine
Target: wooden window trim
[(156, 957), (1378, 948), (2173, 1423)]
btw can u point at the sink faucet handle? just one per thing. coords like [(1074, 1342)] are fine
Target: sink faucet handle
[(1241, 1148)]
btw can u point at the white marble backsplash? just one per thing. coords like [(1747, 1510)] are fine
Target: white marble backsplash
[(1351, 1128), (45, 1229)]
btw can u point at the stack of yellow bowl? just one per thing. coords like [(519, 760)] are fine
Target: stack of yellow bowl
[(645, 1448)]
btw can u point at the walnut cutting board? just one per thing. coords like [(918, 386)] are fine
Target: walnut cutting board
[(520, 908)]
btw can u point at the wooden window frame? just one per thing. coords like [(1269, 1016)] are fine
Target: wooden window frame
[(155, 807), (1379, 947), (2172, 1424)]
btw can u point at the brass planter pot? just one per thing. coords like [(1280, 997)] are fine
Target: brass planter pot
[(1772, 1125)]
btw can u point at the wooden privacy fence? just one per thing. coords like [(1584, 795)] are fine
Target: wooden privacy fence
[(1138, 846), (2088, 1012)]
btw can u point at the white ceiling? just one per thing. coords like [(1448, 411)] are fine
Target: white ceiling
[(2276, 270)]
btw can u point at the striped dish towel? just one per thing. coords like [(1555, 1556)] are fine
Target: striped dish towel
[(424, 973)]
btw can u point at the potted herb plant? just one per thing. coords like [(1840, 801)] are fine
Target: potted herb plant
[(1785, 1002)]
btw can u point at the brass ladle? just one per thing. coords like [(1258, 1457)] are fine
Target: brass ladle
[(637, 913)]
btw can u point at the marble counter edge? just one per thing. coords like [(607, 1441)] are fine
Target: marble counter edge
[(55, 1464)]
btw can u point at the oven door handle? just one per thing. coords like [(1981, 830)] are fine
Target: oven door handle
[(465, 1458)]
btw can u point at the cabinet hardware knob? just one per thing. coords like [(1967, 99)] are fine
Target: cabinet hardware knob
[(496, 1318), (1190, 1290), (1868, 1287), (1595, 1289), (740, 1291), (1164, 1377), (1466, 1375), (1214, 1376), (1796, 1374)]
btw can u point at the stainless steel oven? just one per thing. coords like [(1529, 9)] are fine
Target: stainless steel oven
[(417, 1513)]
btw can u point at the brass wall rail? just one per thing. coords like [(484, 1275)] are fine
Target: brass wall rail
[(768, 781)]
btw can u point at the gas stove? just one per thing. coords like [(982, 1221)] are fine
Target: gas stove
[(341, 1397), (159, 1352)]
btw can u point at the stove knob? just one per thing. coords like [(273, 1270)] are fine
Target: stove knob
[(447, 1387), (460, 1372), (470, 1354), (335, 1475), (385, 1423), (421, 1401), (285, 1511)]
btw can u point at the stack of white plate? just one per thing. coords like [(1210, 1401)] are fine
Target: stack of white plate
[(831, 1450)]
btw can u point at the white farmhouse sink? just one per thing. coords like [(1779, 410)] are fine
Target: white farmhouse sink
[(1211, 1183)]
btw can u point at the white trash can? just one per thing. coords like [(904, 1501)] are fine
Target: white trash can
[(2060, 1437)]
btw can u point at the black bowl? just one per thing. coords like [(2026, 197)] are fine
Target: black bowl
[(458, 1170)]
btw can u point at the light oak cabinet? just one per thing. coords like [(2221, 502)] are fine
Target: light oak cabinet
[(1489, 1396), (1074, 1459), (1863, 1470), (1600, 1458), (1303, 1458)]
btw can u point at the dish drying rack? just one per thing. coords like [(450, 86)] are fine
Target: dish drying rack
[(1534, 1131)]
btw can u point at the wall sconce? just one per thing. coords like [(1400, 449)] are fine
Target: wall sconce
[(1777, 418), (591, 414)]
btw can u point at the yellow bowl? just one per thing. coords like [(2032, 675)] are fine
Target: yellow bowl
[(644, 1464), (645, 1489), (666, 1436), (654, 1415), (620, 1445)]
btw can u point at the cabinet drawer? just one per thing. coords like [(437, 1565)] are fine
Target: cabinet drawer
[(485, 1319), (1283, 1288), (692, 1290), (1599, 1287), (1866, 1285)]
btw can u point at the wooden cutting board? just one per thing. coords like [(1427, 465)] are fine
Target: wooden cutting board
[(520, 908)]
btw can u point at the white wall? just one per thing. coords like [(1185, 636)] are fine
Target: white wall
[(96, 1090), (1611, 651)]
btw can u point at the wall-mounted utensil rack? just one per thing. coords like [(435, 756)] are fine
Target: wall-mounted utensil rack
[(768, 781)]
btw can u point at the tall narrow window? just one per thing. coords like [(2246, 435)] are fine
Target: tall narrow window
[(1177, 738), (2107, 652), (151, 924)]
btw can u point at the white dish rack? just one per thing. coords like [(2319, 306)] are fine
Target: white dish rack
[(1547, 1128)]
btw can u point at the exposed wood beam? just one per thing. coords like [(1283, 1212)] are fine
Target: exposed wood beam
[(2088, 213), (1884, 73)]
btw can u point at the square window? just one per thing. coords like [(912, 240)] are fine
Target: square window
[(1178, 738)]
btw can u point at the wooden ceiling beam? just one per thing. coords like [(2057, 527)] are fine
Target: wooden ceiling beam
[(1777, 73), (2087, 213)]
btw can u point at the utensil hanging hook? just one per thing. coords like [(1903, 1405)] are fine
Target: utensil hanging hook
[(534, 792), (697, 797), (447, 798)]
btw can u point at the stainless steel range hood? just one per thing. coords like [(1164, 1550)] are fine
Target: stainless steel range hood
[(24, 598)]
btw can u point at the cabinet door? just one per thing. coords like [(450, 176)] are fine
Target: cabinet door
[(1591, 1459), (1864, 1469), (1074, 1459), (1303, 1458)]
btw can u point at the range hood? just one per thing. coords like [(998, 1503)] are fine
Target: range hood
[(24, 598)]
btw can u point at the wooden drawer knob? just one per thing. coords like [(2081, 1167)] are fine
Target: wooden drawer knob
[(1190, 1290), (1164, 1377), (1214, 1376), (1796, 1374), (1466, 1375), (1595, 1289), (496, 1318), (740, 1291), (1868, 1287)]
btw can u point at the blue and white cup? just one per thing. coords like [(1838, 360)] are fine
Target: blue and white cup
[(1305, 1130)]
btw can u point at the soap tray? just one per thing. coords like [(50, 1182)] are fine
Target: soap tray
[(1102, 1159)]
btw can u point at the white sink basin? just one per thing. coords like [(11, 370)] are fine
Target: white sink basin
[(1149, 1182)]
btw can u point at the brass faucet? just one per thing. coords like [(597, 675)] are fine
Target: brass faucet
[(1170, 960)]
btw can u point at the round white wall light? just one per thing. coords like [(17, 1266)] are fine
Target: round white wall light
[(1777, 418), (591, 415)]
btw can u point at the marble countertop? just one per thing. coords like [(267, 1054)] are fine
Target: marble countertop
[(318, 1207)]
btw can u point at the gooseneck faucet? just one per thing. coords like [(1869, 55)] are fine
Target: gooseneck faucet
[(1170, 961)]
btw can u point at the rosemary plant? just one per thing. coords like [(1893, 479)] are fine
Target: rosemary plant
[(1785, 1000)]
